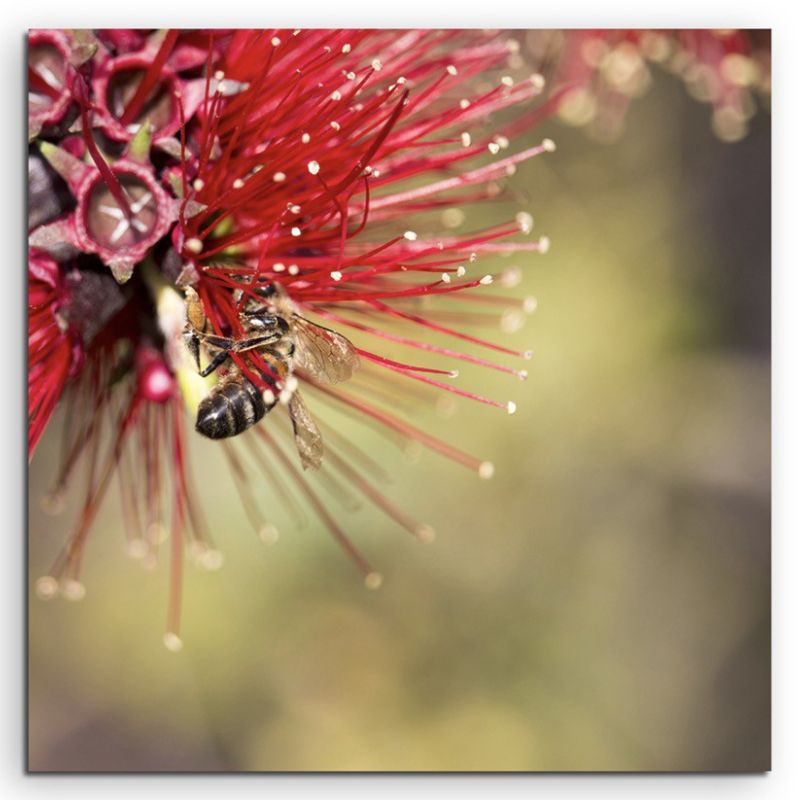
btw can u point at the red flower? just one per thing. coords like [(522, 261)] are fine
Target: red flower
[(244, 165), (598, 72)]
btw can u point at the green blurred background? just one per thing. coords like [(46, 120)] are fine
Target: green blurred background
[(601, 604)]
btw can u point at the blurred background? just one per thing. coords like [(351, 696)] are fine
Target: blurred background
[(601, 604)]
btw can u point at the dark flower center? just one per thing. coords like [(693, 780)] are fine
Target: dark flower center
[(47, 75), (158, 107), (107, 223)]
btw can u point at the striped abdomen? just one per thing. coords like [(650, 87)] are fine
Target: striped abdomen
[(232, 406)]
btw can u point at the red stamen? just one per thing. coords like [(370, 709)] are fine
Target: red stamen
[(149, 79)]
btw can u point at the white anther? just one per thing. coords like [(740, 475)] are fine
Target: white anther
[(295, 231), (376, 65), (511, 407), (549, 145), (336, 275), (336, 95), (275, 41), (544, 244), (486, 280), (172, 642), (445, 277), (290, 387), (73, 590), (466, 139), (305, 138), (238, 183), (525, 221), (529, 305), (463, 104), (511, 277), (268, 533), (198, 184), (346, 48), (494, 148), (46, 587), (486, 470), (313, 167), (410, 235), (374, 580), (211, 559), (425, 533), (451, 70), (136, 548), (194, 245), (278, 267), (279, 177), (452, 217), (507, 80)]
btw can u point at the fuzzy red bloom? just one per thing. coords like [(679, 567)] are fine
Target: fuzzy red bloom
[(180, 179), (54, 353), (599, 72), (316, 162)]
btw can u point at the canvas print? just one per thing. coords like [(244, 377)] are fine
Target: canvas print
[(398, 400)]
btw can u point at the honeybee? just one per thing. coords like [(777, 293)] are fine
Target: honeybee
[(286, 341)]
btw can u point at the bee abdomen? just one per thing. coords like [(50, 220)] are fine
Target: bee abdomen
[(229, 409)]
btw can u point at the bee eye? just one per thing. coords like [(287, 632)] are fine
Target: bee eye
[(266, 291)]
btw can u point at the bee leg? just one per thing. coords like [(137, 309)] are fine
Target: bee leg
[(215, 363), (252, 342), (238, 345), (217, 342), (193, 346)]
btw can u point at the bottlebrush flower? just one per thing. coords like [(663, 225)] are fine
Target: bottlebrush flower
[(313, 163), (598, 73)]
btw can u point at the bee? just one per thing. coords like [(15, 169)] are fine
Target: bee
[(286, 341)]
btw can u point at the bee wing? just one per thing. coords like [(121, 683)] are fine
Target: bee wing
[(323, 353), (306, 433)]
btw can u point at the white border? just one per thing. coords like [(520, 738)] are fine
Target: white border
[(784, 781)]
